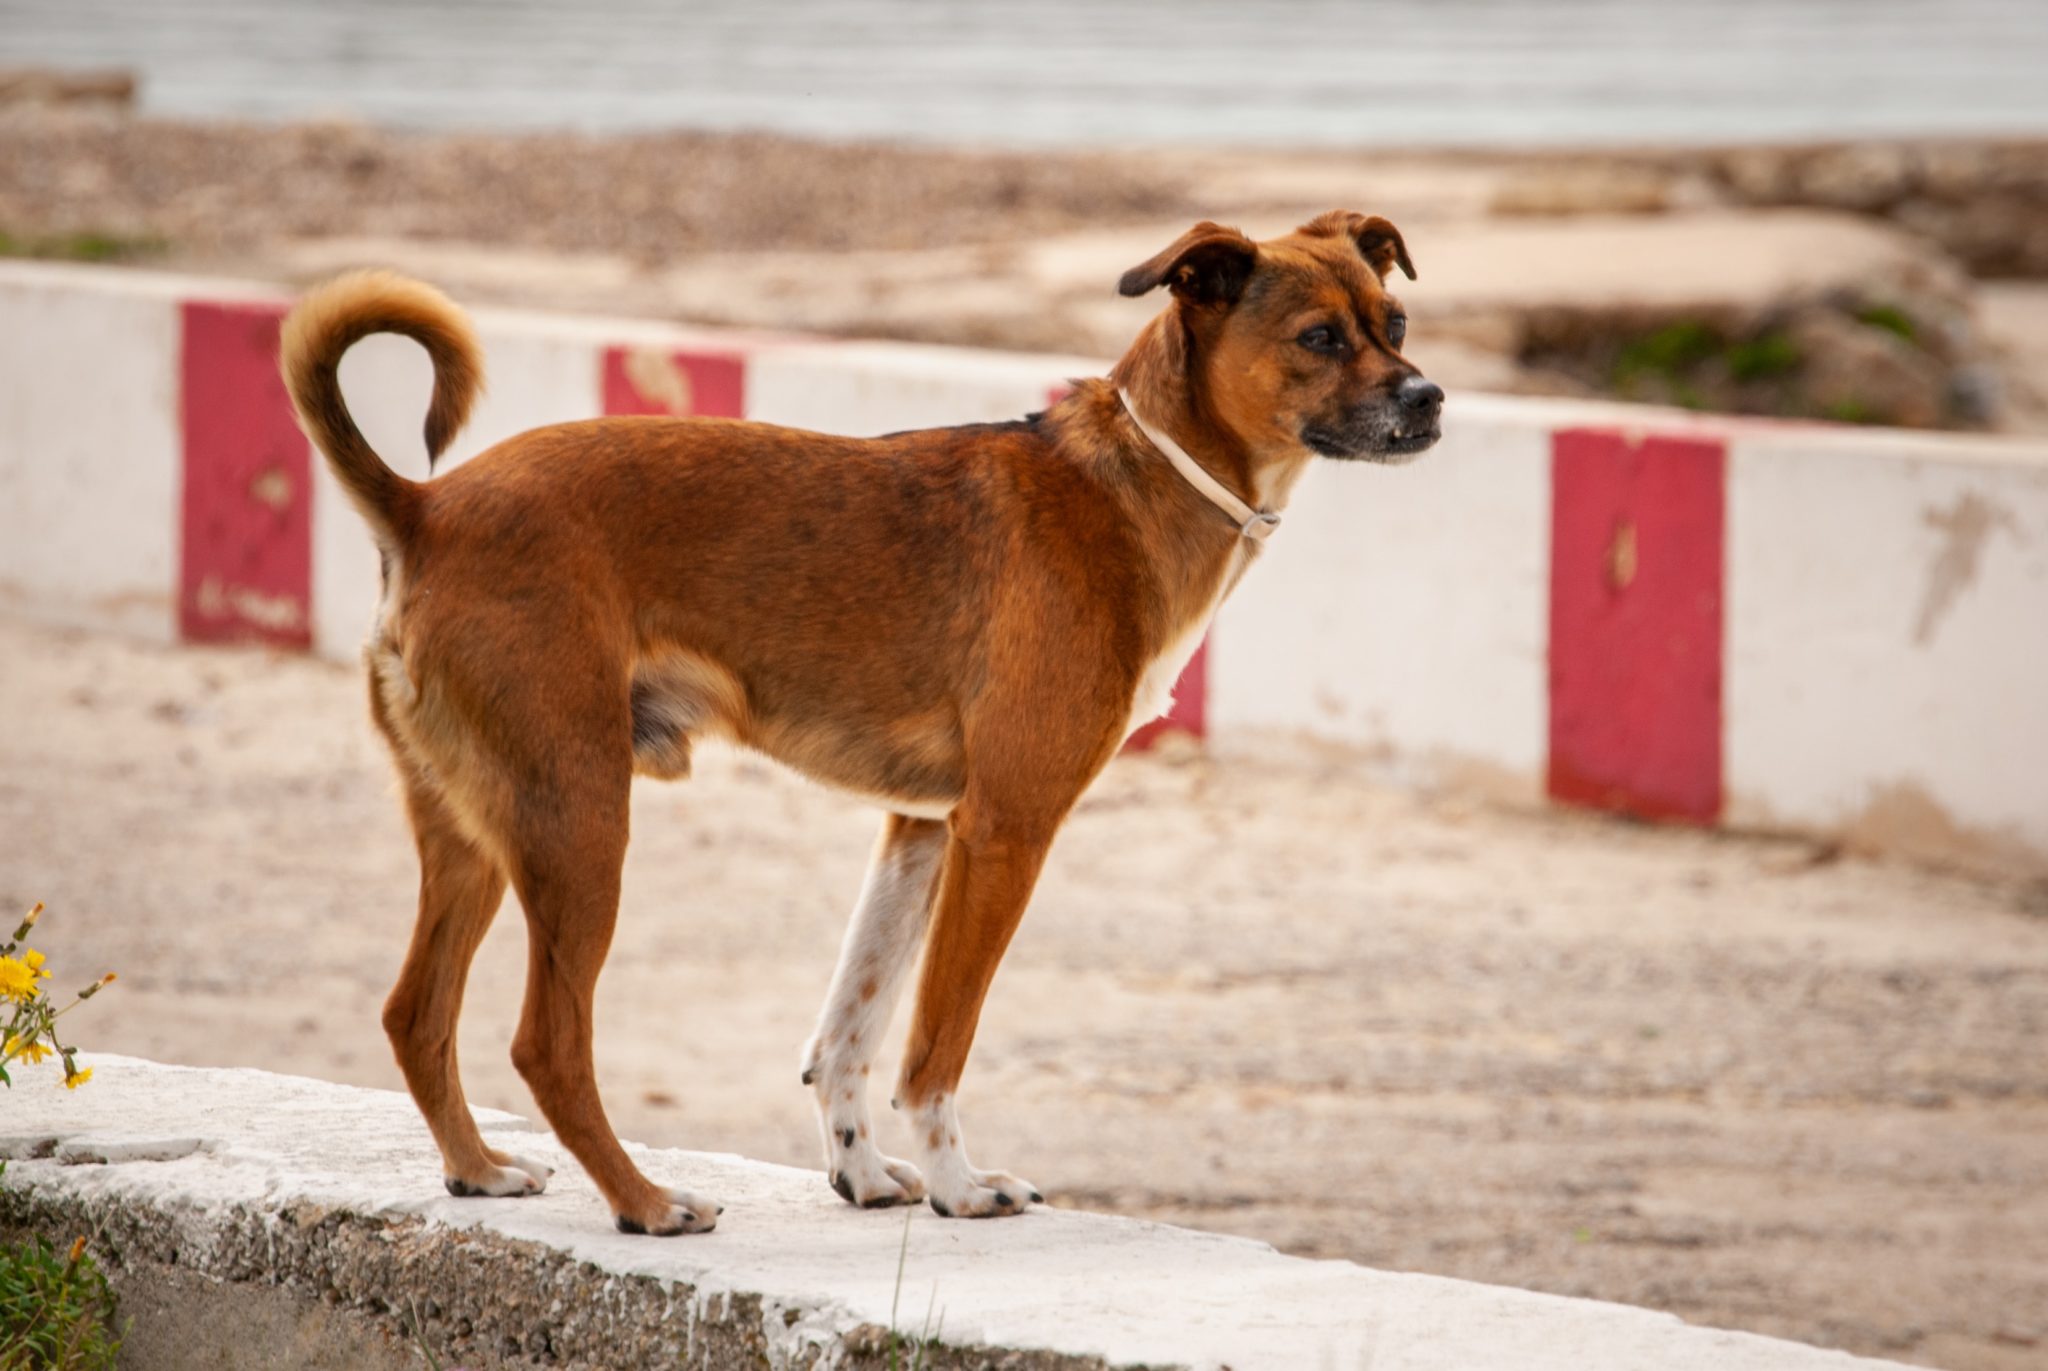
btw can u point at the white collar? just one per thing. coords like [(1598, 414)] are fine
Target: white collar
[(1255, 524)]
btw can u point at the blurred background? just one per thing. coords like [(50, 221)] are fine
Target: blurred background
[(1818, 208), (1766, 1077)]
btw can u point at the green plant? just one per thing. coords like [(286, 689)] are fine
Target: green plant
[(929, 1336), (1891, 319), (56, 1311), (1667, 352), (83, 247), (1762, 357), (32, 1023), (416, 1329)]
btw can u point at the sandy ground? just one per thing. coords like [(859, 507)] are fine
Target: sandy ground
[(1733, 1078)]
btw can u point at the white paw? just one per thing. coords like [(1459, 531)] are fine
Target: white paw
[(540, 1171), (684, 1213), (984, 1195), (863, 1176), (957, 1190), (511, 1177)]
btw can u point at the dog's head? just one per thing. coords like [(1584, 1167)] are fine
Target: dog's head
[(1295, 343)]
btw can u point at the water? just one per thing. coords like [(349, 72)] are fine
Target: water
[(1085, 72)]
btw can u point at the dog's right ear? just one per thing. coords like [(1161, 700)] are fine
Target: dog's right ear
[(1207, 265)]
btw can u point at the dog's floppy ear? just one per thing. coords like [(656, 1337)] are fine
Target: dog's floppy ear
[(1379, 242), (1207, 265)]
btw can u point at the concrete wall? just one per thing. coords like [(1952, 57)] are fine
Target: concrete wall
[(1715, 621), (255, 1220)]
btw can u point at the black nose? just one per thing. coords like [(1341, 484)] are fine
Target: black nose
[(1419, 394)]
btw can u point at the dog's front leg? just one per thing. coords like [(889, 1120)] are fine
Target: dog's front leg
[(881, 943), (986, 882)]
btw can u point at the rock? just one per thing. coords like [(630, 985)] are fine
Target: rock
[(1861, 373), (1985, 202), (1976, 394), (1586, 189), (43, 86), (1866, 177)]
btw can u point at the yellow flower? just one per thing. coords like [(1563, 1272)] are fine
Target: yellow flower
[(30, 1052), (77, 1078), (17, 981), (35, 962)]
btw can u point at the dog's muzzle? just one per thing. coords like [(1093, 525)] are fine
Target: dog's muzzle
[(1395, 429)]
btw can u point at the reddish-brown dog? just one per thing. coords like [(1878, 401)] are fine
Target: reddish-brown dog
[(959, 624)]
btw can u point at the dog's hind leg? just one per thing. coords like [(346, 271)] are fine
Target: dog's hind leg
[(460, 889), (881, 943), (567, 846)]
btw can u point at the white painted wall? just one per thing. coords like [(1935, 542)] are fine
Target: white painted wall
[(1849, 671), (1405, 607), (1400, 608), (863, 389), (91, 461)]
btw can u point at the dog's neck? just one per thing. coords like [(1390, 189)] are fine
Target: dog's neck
[(1255, 524), (1156, 378)]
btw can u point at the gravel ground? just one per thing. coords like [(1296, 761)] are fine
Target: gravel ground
[(1733, 1078), (211, 191)]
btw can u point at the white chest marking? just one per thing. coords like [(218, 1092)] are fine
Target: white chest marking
[(1154, 696)]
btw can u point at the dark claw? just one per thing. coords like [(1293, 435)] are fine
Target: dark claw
[(460, 1188), (632, 1226), (843, 1186), (846, 1137), (939, 1208), (721, 1209), (1002, 1200), (689, 1217), (810, 1074), (1037, 1198)]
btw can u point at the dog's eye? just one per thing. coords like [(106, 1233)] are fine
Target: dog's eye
[(1324, 339), (1397, 329)]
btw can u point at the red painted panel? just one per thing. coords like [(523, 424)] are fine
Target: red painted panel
[(708, 385), (1190, 712), (246, 550), (1635, 623)]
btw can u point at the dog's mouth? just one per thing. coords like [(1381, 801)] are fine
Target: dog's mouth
[(1402, 444), (1388, 440)]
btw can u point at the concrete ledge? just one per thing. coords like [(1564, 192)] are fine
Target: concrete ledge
[(260, 1220)]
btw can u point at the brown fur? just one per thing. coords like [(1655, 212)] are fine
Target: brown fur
[(952, 619)]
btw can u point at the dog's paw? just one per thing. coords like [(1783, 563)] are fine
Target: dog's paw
[(985, 1195), (873, 1181), (540, 1171), (675, 1212), (508, 1177)]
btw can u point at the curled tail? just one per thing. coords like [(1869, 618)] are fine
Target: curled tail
[(326, 323)]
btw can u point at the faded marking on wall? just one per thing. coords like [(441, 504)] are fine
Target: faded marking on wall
[(1901, 818), (279, 614), (702, 384), (1904, 817), (1965, 528), (660, 378)]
